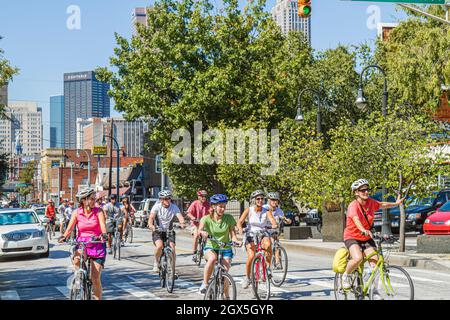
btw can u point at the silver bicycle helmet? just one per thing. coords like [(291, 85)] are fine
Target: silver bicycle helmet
[(359, 183), (84, 193), (165, 194), (273, 196), (257, 193)]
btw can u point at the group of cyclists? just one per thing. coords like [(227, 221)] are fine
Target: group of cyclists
[(210, 220)]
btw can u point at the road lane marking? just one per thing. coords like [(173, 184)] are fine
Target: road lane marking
[(136, 291), (273, 289), (9, 295), (65, 291)]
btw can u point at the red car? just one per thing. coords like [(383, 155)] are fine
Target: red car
[(438, 222)]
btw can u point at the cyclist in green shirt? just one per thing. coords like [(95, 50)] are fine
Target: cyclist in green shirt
[(219, 225)]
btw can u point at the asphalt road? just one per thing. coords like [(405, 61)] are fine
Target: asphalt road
[(309, 277)]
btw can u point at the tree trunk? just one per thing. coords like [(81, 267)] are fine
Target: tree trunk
[(402, 228)]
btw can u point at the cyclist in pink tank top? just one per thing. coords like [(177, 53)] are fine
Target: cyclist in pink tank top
[(90, 222)]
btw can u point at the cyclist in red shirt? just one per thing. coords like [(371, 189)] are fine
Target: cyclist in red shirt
[(50, 213), (197, 210), (357, 234)]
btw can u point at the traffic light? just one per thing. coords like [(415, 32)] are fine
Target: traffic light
[(304, 8)]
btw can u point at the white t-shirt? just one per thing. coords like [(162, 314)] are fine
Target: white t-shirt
[(277, 214), (165, 216)]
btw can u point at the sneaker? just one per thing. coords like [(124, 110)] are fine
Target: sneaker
[(155, 267), (194, 257), (269, 272), (176, 276), (203, 287), (245, 283), (109, 251), (346, 284)]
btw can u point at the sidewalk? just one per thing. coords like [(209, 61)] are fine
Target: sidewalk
[(410, 258)]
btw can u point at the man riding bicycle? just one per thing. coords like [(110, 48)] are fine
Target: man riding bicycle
[(114, 217), (50, 213), (163, 213), (196, 211), (219, 225), (357, 234), (258, 218)]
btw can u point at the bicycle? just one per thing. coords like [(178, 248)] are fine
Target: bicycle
[(201, 242), (379, 281), (128, 233), (222, 282), (81, 284), (260, 276), (279, 262), (48, 227), (116, 241), (167, 262)]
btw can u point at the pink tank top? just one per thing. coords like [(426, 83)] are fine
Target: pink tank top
[(88, 227)]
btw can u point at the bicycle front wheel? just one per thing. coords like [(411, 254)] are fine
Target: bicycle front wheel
[(394, 283), (199, 254), (225, 289), (279, 266), (260, 279), (170, 278)]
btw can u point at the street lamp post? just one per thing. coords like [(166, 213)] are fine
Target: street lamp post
[(299, 116), (118, 161), (89, 165), (361, 102)]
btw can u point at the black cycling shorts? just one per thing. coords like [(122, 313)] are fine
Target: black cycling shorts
[(158, 235), (362, 244)]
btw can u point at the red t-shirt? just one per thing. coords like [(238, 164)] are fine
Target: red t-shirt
[(50, 212), (355, 209), (198, 209)]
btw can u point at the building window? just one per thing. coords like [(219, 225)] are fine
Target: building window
[(55, 164)]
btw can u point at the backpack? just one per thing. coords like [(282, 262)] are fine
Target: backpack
[(340, 260)]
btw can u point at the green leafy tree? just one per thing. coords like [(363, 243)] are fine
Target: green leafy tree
[(26, 176)]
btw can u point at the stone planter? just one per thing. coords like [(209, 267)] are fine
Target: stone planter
[(333, 224), (433, 244), (295, 233)]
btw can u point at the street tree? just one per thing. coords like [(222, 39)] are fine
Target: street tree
[(26, 177)]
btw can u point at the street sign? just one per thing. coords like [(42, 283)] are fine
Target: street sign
[(99, 150), (405, 1)]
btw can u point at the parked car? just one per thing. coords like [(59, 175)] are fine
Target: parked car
[(40, 211), (416, 213), (439, 221), (143, 212), (22, 233)]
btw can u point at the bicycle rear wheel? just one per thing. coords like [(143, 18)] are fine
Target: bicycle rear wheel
[(345, 294), (130, 234), (279, 266), (394, 284), (199, 254), (170, 281), (260, 279)]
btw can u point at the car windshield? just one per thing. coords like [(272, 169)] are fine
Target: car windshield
[(11, 218), (422, 202), (40, 211), (445, 207)]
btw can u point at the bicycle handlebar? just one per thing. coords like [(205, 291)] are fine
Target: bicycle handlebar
[(224, 244)]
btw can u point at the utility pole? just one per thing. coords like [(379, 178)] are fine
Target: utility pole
[(110, 155)]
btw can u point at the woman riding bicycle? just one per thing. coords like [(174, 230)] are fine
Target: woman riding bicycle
[(90, 222), (357, 234), (220, 226), (196, 211), (127, 211), (258, 218)]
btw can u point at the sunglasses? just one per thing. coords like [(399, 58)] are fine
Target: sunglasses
[(364, 190), (166, 198), (259, 199)]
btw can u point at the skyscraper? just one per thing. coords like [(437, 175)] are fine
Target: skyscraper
[(84, 97), (57, 122), (285, 14), (139, 15), (23, 127)]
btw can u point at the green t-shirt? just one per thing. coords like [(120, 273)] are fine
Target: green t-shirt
[(218, 229)]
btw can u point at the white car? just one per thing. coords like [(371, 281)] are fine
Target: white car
[(22, 233), (143, 212)]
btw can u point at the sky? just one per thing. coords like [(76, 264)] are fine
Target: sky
[(36, 38)]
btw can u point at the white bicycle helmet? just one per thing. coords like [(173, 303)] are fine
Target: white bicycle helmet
[(165, 194), (257, 193), (359, 183), (273, 196), (84, 193)]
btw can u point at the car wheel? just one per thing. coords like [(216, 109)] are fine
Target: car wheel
[(46, 254)]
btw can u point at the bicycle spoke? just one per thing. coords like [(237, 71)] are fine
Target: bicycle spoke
[(392, 283)]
